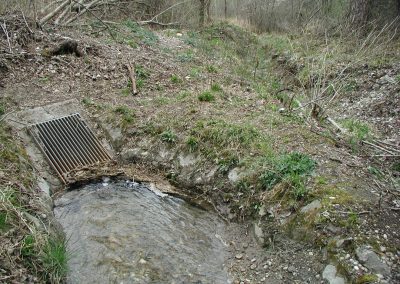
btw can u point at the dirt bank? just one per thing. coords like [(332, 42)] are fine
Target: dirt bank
[(207, 123)]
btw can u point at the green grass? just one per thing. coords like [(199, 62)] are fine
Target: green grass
[(183, 95), (192, 143), (226, 135), (3, 221), (216, 87), (211, 69), (127, 115), (398, 79), (359, 129), (351, 222), (186, 56), (140, 34), (366, 279), (176, 79), (206, 96), (30, 254), (291, 166), (168, 136), (54, 259), (87, 102), (28, 246), (2, 109)]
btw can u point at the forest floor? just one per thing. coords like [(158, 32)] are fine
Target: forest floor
[(230, 116)]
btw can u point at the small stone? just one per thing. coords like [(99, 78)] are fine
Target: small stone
[(142, 261), (253, 266), (313, 206), (253, 260), (239, 256), (292, 269), (356, 268)]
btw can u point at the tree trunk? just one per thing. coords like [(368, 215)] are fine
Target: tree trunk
[(201, 12), (359, 13), (226, 10), (208, 10)]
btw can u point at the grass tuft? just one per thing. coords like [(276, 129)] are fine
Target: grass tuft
[(176, 79), (54, 259), (127, 115), (206, 96), (168, 136), (216, 87)]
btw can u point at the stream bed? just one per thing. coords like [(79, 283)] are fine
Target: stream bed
[(123, 232)]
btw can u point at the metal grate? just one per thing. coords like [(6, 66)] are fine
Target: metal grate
[(68, 144)]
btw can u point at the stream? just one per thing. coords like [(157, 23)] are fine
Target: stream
[(123, 232)]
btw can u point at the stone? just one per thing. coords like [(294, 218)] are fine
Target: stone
[(253, 266), (131, 155), (315, 205), (115, 135), (235, 175), (258, 232), (344, 243), (187, 160), (239, 256), (371, 260), (44, 186), (142, 261), (330, 274), (263, 211)]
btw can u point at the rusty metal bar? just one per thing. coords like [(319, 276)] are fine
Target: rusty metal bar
[(68, 144), (86, 154)]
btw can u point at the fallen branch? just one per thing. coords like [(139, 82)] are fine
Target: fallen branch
[(54, 12), (26, 23), (62, 15), (150, 22), (336, 125), (4, 28), (378, 147), (132, 76), (87, 7)]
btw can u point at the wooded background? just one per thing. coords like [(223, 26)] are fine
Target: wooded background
[(259, 15)]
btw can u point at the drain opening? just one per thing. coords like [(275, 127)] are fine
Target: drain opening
[(68, 144)]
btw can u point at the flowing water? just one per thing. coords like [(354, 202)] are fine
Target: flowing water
[(125, 233)]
